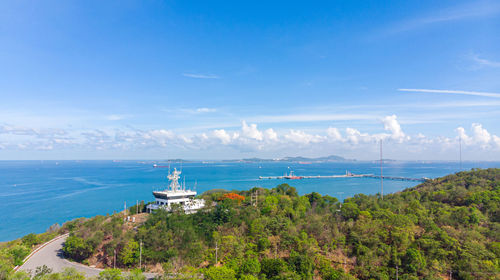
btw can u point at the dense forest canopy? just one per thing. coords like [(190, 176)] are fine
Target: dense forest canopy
[(444, 226)]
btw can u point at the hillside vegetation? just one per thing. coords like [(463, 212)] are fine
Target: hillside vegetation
[(446, 225)]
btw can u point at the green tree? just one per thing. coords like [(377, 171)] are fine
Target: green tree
[(129, 255), (70, 273), (220, 273), (135, 274), (248, 277), (76, 248), (413, 260), (302, 264), (250, 266), (19, 275), (30, 240), (315, 199), (273, 267), (286, 189), (18, 253), (349, 210), (110, 274)]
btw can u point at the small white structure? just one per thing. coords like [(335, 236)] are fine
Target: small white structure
[(176, 194)]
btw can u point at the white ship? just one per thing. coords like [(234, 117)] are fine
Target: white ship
[(176, 194)]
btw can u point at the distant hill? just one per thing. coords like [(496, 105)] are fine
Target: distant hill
[(332, 158)]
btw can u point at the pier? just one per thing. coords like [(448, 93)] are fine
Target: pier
[(397, 178), (347, 175)]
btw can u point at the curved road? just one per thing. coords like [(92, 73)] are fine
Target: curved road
[(51, 256)]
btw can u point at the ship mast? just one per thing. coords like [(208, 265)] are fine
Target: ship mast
[(174, 180)]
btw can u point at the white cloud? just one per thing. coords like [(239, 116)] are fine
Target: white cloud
[(354, 136), (301, 137), (496, 140), (200, 76), (160, 136), (96, 136), (482, 62), (334, 134), (463, 135), (251, 131), (270, 134), (481, 135), (19, 130), (206, 110), (391, 124), (464, 92), (249, 139), (470, 10), (222, 135)]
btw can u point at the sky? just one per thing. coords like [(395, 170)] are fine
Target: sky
[(236, 79)]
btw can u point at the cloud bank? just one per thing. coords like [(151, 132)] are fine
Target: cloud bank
[(249, 138)]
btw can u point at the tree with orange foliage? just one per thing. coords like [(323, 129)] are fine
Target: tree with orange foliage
[(232, 196)]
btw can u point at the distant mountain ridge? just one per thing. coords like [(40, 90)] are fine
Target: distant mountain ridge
[(331, 158)]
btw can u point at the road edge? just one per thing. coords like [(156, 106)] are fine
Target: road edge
[(39, 248)]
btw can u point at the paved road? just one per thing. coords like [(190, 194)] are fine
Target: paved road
[(51, 256)]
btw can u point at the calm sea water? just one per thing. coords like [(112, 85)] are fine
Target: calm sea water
[(37, 194)]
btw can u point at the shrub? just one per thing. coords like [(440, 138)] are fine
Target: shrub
[(220, 273), (130, 254), (30, 240), (76, 248), (18, 253), (273, 267), (110, 274), (250, 266)]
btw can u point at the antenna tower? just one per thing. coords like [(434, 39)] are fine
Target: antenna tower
[(381, 172)]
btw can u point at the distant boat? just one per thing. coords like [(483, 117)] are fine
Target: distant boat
[(160, 166), (291, 176)]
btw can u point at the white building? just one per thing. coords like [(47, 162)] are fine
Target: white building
[(176, 194)]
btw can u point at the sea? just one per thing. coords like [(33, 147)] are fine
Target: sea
[(37, 194)]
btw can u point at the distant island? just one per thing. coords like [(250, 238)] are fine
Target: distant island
[(298, 159)]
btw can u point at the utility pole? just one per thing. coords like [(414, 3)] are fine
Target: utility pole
[(450, 274), (140, 255), (381, 172), (254, 198), (137, 208), (397, 272), (340, 201), (114, 259), (216, 250)]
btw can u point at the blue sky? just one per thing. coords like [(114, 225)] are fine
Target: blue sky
[(220, 79)]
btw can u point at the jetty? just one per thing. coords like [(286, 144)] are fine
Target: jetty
[(397, 178), (347, 175)]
